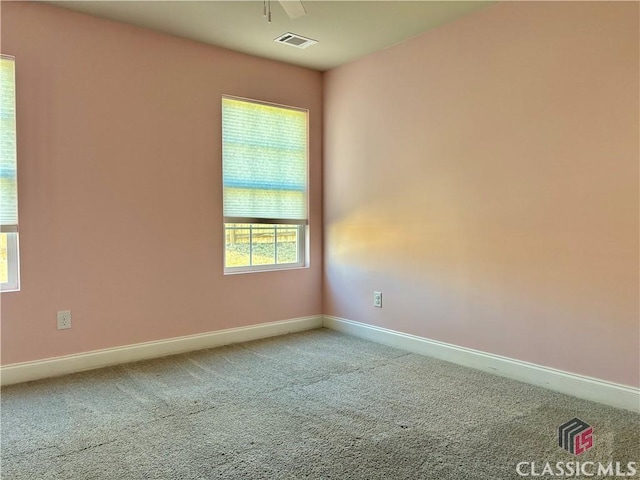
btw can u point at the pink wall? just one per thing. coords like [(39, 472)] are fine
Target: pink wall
[(484, 177), (120, 185)]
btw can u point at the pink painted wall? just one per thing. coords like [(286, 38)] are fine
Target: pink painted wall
[(120, 185), (484, 177)]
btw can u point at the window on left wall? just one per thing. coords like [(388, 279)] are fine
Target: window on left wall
[(9, 258)]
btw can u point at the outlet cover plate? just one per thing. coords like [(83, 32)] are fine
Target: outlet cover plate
[(377, 299), (64, 319)]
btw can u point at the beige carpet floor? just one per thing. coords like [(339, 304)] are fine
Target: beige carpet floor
[(317, 405)]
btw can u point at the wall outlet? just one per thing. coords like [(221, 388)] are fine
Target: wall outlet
[(377, 299), (64, 319)]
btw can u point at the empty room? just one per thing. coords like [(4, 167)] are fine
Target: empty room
[(319, 239)]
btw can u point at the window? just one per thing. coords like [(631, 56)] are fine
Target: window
[(9, 271), (264, 174)]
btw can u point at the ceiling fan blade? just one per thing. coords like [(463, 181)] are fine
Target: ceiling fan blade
[(294, 8)]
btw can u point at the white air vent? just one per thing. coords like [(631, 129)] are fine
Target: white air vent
[(295, 40)]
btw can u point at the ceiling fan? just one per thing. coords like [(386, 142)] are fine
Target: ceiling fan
[(294, 8)]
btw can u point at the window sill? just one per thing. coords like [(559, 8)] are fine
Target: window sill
[(262, 269)]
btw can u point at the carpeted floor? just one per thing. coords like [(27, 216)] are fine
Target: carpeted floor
[(319, 405)]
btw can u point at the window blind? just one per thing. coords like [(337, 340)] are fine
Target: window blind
[(8, 178), (264, 162)]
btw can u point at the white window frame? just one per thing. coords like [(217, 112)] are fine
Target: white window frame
[(302, 240), (301, 247), (13, 252), (13, 264)]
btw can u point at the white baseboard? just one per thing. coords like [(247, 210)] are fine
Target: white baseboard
[(616, 395), (613, 394), (53, 367)]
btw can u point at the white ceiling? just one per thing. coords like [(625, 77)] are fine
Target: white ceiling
[(346, 30)]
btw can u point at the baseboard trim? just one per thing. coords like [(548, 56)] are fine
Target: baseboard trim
[(601, 391), (53, 367)]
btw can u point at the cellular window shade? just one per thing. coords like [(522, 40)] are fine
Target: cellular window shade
[(264, 162), (8, 178)]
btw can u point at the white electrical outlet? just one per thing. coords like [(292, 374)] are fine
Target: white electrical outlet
[(64, 319), (377, 299)]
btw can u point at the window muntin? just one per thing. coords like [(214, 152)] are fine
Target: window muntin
[(265, 185), (9, 270)]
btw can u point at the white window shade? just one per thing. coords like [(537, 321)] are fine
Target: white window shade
[(264, 158), (8, 178)]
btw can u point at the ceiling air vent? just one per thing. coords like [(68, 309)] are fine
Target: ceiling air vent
[(295, 40)]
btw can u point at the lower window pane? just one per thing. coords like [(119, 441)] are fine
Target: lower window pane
[(257, 245), (237, 246), (287, 243), (9, 271)]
